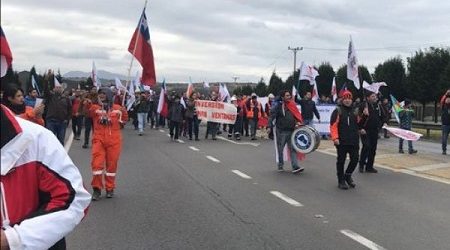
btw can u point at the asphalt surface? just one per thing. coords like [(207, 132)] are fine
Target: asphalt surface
[(172, 196)]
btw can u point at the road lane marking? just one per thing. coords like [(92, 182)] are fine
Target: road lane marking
[(194, 148), (212, 159), (430, 167), (168, 135), (238, 143), (180, 141), (162, 130), (362, 240), (286, 199), (241, 174), (68, 144)]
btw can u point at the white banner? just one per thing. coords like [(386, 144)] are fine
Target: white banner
[(325, 112), (219, 112), (403, 133)]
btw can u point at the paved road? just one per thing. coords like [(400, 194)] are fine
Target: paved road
[(220, 195)]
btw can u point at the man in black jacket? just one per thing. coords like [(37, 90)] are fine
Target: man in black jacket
[(345, 135), (371, 120), (309, 109), (58, 111)]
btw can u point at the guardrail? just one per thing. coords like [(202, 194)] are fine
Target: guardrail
[(422, 125)]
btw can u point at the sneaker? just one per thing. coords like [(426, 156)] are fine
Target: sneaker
[(84, 146), (110, 194), (77, 138), (361, 168), (280, 168), (298, 170), (371, 170), (229, 136), (96, 194), (444, 152), (197, 139), (349, 180), (253, 139), (342, 185), (413, 151), (140, 133), (400, 151)]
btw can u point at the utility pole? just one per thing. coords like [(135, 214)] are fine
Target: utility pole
[(235, 78), (295, 55)]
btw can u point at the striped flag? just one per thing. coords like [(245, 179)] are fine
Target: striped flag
[(163, 108), (396, 108)]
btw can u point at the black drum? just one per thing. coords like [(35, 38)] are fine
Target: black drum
[(305, 139)]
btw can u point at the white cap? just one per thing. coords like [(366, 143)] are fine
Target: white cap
[(233, 98), (271, 95), (254, 94)]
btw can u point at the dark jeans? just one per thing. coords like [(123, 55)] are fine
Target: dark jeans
[(77, 125), (400, 143), (193, 125), (342, 151), (245, 126), (174, 126), (87, 129), (211, 128), (445, 132), (369, 148), (58, 128), (235, 128)]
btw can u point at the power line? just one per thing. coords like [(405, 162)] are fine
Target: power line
[(381, 48)]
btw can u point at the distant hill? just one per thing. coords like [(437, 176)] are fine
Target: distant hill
[(102, 74)]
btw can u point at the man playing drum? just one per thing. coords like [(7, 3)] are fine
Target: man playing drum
[(287, 117), (345, 135)]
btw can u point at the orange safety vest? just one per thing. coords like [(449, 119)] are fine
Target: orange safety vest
[(250, 111)]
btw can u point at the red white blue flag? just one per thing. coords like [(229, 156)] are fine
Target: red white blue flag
[(5, 54), (141, 48)]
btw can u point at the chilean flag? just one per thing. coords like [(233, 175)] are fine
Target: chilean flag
[(140, 47), (5, 54), (163, 108)]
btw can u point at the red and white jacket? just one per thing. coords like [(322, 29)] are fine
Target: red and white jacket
[(42, 193)]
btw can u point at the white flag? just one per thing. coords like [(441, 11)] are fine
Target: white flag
[(333, 89), (119, 85), (224, 95), (35, 86), (57, 83), (315, 93), (94, 76), (206, 85), (374, 87), (295, 92), (308, 72), (352, 65)]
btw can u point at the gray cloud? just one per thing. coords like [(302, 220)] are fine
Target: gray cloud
[(214, 40)]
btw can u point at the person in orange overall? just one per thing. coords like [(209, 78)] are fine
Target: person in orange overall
[(106, 143)]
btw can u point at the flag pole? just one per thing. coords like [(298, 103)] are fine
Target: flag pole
[(132, 55)]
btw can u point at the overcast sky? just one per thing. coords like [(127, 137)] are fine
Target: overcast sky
[(214, 40)]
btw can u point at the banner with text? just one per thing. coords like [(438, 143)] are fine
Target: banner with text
[(325, 111), (220, 112), (403, 133)]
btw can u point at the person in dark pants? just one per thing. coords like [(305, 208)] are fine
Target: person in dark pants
[(59, 111), (245, 126), (445, 119), (371, 118), (175, 117), (345, 135), (191, 116), (309, 109), (254, 112), (235, 129), (387, 111), (406, 115), (77, 116), (212, 127), (89, 99)]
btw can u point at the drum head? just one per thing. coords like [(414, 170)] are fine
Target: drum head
[(304, 140)]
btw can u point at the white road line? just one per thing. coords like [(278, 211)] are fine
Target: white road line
[(286, 199), (362, 240), (168, 135), (68, 143), (238, 143), (212, 159), (180, 141), (194, 148), (430, 167), (162, 130), (241, 174)]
